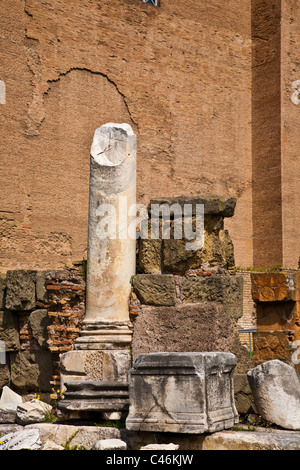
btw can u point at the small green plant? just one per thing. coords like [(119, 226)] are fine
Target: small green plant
[(50, 417), (119, 424), (132, 279), (67, 446), (83, 269), (272, 269)]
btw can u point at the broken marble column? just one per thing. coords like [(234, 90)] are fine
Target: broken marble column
[(94, 375), (182, 392), (111, 247)]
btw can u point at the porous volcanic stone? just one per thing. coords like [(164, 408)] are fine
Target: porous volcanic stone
[(20, 290), (155, 289)]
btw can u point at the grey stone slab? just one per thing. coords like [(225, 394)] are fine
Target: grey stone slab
[(33, 411), (39, 320), (227, 289), (7, 415), (73, 435), (41, 291), (7, 428), (110, 444), (32, 370)]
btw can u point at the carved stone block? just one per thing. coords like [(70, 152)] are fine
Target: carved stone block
[(182, 392)]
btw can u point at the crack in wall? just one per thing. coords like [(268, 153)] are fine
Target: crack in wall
[(156, 404), (101, 74), (37, 112)]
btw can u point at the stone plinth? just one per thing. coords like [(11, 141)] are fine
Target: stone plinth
[(104, 335), (182, 392), (108, 398)]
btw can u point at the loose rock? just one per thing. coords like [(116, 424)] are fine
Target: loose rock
[(33, 411), (8, 405), (110, 444), (276, 391), (26, 439)]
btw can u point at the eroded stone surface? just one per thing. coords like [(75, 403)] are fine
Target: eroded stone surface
[(20, 290), (155, 289), (9, 332), (61, 434), (258, 440), (188, 327), (32, 370)]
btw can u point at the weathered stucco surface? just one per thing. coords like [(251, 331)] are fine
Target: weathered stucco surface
[(179, 74)]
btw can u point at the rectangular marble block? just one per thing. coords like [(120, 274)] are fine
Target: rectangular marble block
[(182, 392)]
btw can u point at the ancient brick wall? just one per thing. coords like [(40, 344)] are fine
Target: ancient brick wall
[(211, 117), (179, 74), (275, 114), (248, 319)]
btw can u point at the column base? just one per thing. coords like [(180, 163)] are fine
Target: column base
[(104, 335)]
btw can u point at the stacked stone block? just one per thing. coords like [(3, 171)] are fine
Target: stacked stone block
[(188, 301), (40, 315), (171, 256), (277, 298)]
